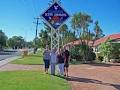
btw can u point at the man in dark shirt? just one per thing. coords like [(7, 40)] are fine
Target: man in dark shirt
[(66, 62)]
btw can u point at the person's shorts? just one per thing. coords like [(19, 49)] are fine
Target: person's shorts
[(66, 65), (47, 63)]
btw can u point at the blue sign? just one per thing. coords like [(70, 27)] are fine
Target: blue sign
[(55, 16)]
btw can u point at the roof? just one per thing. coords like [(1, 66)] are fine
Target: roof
[(97, 42), (104, 39)]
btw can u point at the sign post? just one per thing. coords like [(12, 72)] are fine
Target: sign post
[(55, 16)]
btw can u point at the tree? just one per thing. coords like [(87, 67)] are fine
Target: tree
[(3, 39), (69, 37), (44, 38), (106, 49), (10, 43), (80, 23), (16, 42), (30, 44), (98, 31)]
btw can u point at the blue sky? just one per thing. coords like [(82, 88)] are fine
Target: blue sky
[(17, 16)]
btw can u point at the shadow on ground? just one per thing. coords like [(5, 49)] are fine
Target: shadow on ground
[(95, 64), (36, 64), (86, 80), (104, 64)]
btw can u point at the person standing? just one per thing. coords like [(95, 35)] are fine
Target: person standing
[(66, 61), (46, 58), (53, 61), (60, 58)]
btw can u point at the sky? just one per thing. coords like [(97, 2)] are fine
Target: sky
[(17, 16)]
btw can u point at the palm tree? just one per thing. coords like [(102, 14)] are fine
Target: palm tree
[(80, 23), (98, 31)]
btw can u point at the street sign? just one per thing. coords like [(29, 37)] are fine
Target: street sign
[(55, 16)]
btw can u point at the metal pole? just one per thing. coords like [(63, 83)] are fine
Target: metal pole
[(58, 39), (51, 39), (54, 35)]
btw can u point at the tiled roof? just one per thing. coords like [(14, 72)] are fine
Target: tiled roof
[(97, 42), (104, 39)]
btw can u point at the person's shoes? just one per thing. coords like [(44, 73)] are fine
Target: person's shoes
[(67, 76), (53, 74)]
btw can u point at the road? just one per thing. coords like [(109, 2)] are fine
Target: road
[(8, 54), (11, 53)]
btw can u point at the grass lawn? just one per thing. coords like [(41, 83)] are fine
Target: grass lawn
[(31, 80), (33, 59)]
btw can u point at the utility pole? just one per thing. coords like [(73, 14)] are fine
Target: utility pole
[(37, 23), (36, 32)]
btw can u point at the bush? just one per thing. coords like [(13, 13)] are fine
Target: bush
[(81, 52), (110, 50), (100, 58), (115, 54), (74, 52), (91, 56)]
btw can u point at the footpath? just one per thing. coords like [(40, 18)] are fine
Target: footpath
[(6, 61)]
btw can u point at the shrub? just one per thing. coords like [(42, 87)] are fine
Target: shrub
[(116, 51), (91, 56), (74, 51), (110, 50), (100, 58), (81, 52)]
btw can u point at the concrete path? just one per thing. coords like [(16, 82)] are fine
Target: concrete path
[(16, 67), (5, 61)]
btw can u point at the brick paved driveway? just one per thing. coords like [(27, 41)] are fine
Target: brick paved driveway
[(95, 77)]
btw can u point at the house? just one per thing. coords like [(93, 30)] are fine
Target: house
[(115, 38), (95, 44)]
